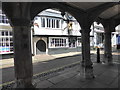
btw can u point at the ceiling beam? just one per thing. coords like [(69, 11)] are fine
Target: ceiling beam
[(115, 16), (37, 7), (72, 7), (96, 11)]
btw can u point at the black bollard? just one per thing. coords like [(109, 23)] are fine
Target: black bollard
[(98, 55)]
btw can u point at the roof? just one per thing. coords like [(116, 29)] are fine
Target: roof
[(50, 13)]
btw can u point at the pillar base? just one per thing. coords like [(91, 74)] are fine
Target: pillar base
[(83, 63), (89, 73), (110, 62), (108, 59), (86, 72), (21, 83)]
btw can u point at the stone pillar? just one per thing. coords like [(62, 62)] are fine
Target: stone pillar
[(82, 48), (109, 26), (22, 53), (107, 46), (86, 53)]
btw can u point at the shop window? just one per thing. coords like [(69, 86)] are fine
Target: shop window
[(58, 42)]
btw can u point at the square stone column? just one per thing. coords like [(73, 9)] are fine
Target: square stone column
[(22, 54), (86, 54), (109, 26), (107, 47)]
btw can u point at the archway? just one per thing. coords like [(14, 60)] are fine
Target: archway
[(22, 47), (41, 47)]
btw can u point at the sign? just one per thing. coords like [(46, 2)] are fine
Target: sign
[(4, 49)]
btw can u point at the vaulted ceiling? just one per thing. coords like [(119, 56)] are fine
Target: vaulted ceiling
[(112, 12), (109, 10)]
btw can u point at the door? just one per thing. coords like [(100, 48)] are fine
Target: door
[(41, 47)]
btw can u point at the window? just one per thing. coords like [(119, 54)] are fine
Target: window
[(42, 22), (2, 33), (53, 26), (78, 41), (6, 42), (0, 18), (54, 23), (6, 33), (51, 23), (58, 42), (57, 24), (3, 19), (10, 33), (36, 18), (47, 22), (72, 42)]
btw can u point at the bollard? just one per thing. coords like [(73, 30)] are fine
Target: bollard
[(98, 55)]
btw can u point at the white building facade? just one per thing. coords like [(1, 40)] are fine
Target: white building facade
[(6, 37), (52, 34)]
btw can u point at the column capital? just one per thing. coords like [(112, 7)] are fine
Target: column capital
[(109, 25), (20, 22)]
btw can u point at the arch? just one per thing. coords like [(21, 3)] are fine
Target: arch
[(40, 47), (36, 8)]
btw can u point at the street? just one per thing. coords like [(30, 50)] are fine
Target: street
[(8, 73)]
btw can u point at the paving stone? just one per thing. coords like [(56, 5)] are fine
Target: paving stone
[(110, 73), (44, 84), (67, 84), (114, 84), (49, 76), (94, 84), (53, 86), (57, 79), (69, 75), (73, 82), (105, 79), (70, 78)]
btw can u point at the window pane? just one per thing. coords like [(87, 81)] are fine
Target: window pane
[(10, 33), (47, 22), (52, 23), (58, 42), (3, 20), (43, 22), (6, 33), (2, 33), (0, 18), (57, 24)]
